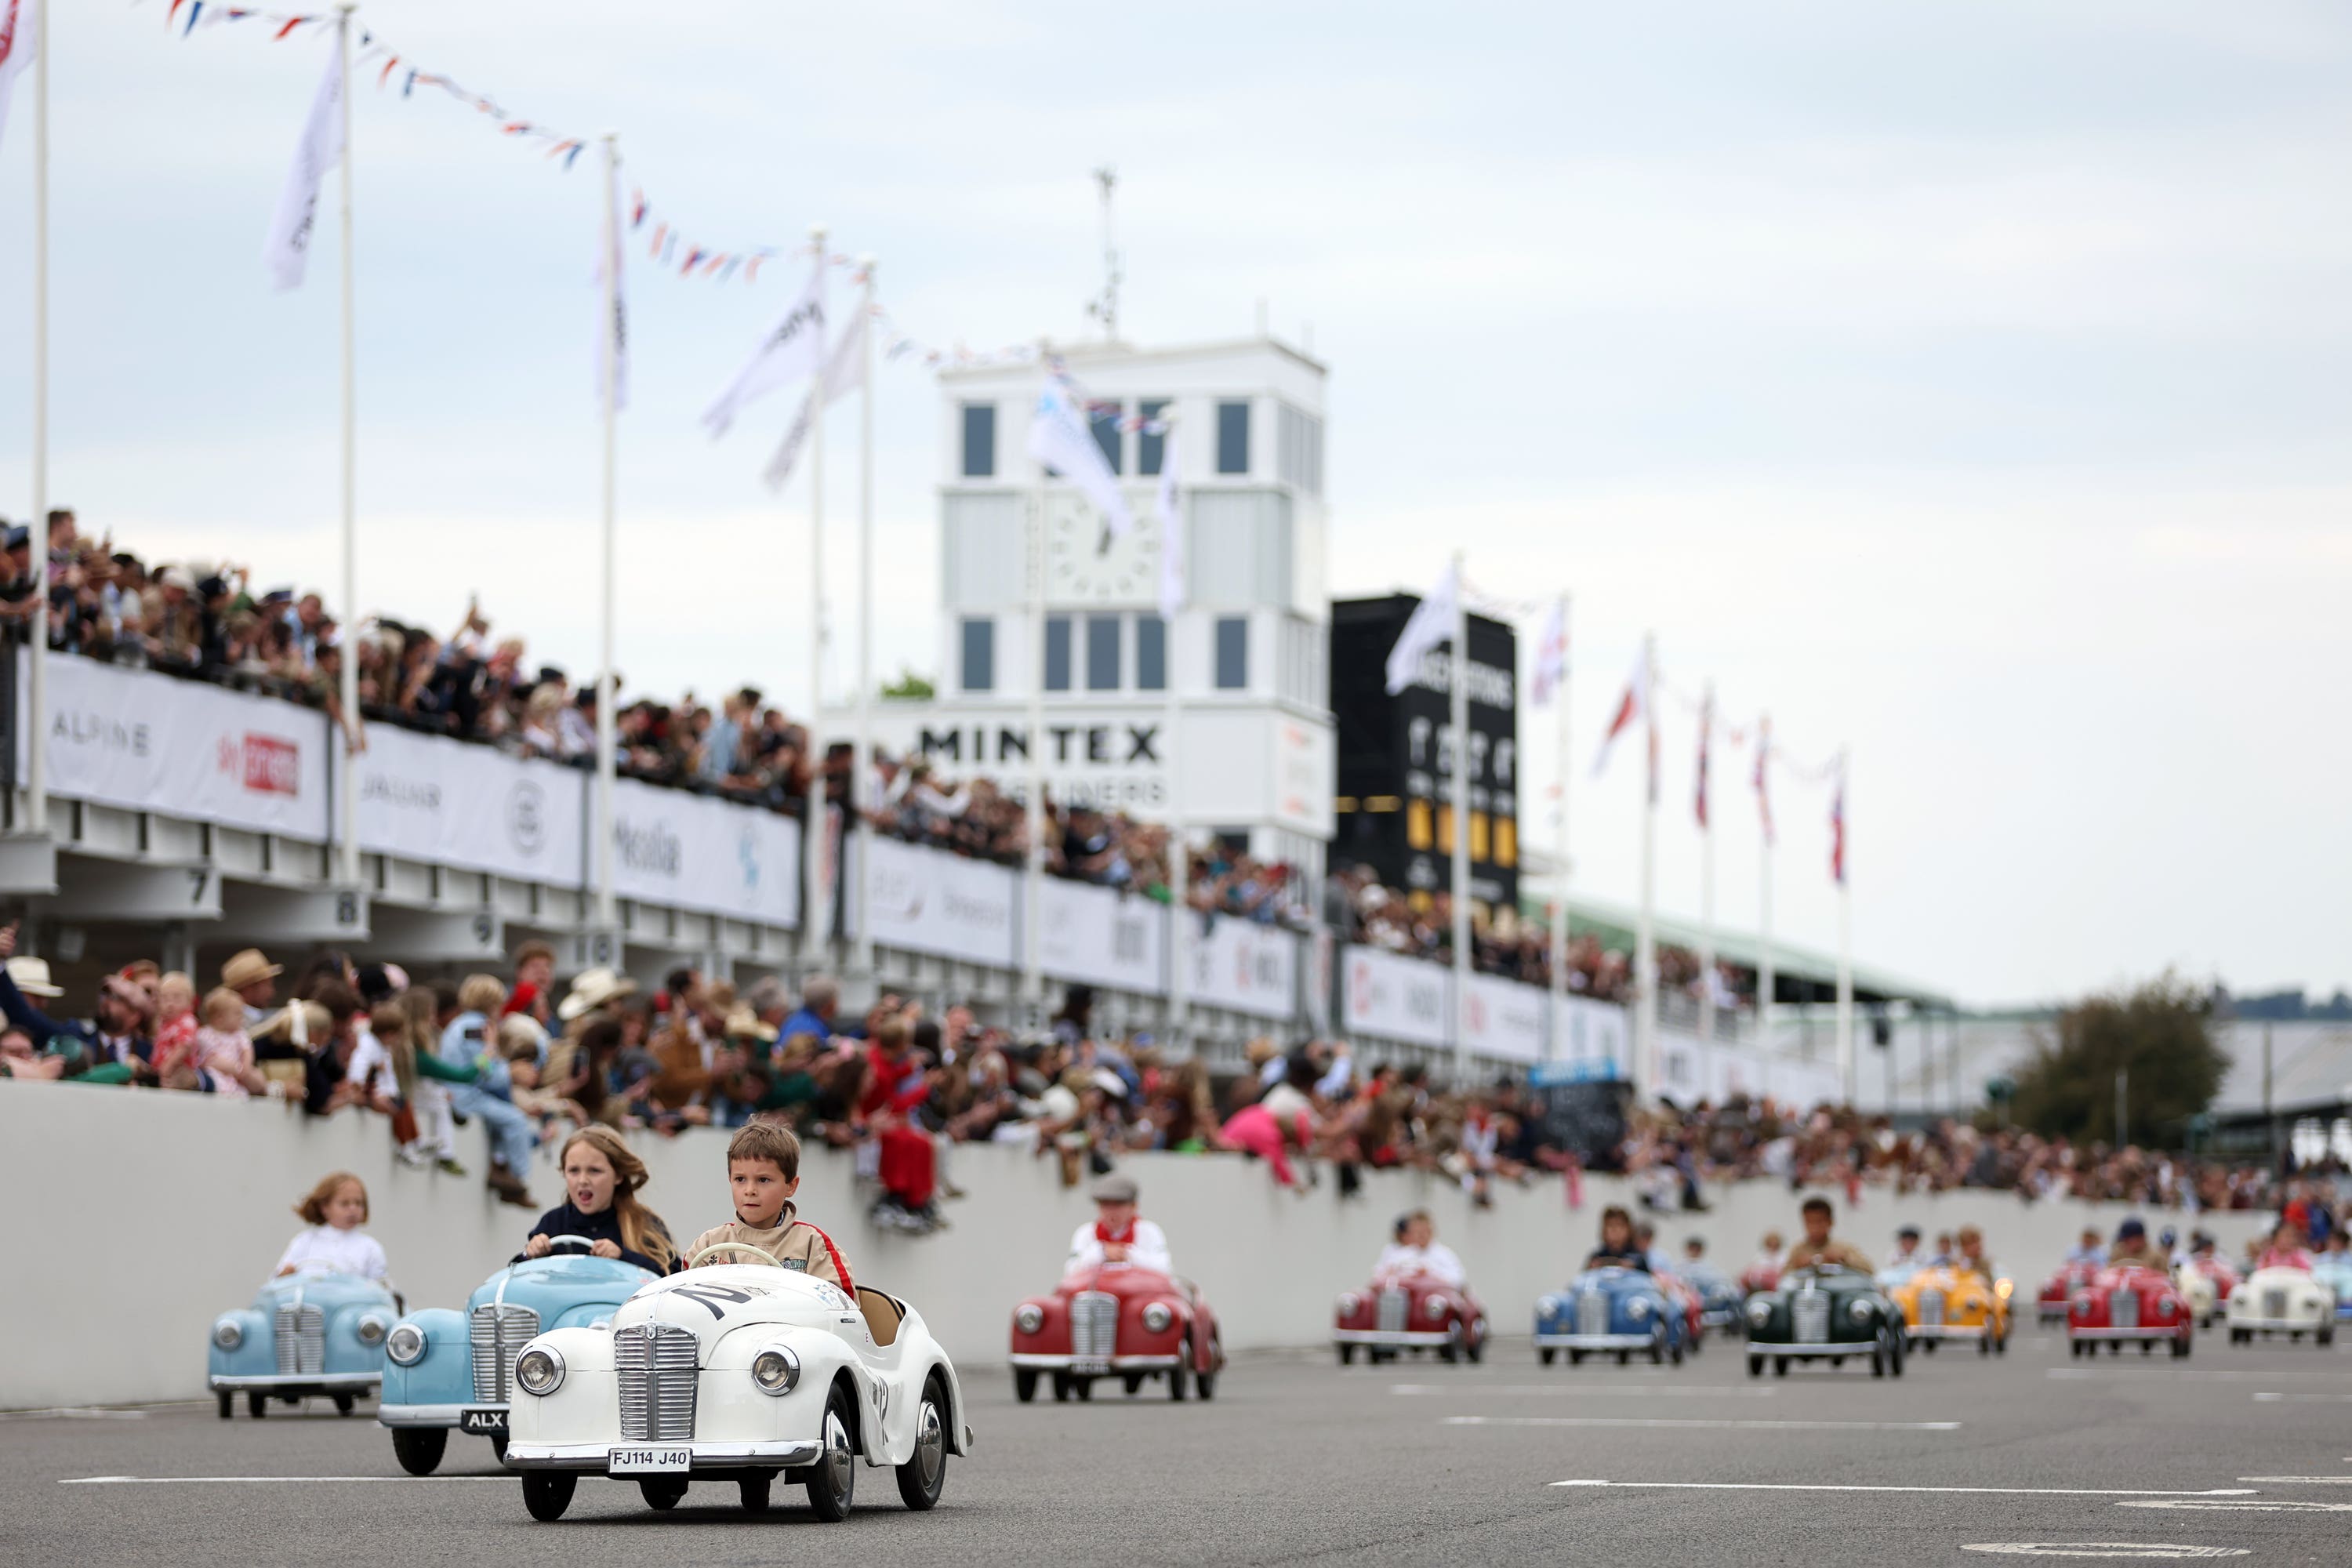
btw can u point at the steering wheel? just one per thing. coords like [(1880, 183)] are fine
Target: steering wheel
[(696, 1261), (573, 1243)]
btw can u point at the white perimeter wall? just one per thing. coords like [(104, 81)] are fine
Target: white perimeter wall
[(129, 1219)]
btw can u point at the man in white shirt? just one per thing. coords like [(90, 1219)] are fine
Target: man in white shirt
[(1417, 1251), (1117, 1235)]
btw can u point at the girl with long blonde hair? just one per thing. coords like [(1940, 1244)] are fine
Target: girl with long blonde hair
[(601, 1181)]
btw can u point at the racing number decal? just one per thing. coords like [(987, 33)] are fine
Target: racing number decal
[(711, 1296)]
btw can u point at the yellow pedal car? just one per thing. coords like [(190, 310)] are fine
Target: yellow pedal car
[(1941, 1304)]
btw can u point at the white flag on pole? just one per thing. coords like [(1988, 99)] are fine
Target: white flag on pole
[(1059, 439), (288, 250), (1551, 655), (1632, 709), (1431, 624), (789, 352), (1171, 532), (608, 256), (20, 41), (846, 374)]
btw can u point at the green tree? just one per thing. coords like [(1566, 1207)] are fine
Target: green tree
[(908, 687), (2160, 1034)]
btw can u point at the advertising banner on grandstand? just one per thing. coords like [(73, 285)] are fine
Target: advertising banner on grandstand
[(147, 743), (1101, 936), (1506, 1018), (1244, 967), (1584, 1030), (924, 901), (443, 802), (1396, 999), (696, 853), (1682, 1069)]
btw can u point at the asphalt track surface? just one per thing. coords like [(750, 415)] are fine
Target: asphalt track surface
[(2243, 1454)]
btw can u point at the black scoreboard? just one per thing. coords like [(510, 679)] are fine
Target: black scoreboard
[(1396, 754)]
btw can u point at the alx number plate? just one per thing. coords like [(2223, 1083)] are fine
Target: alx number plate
[(1090, 1366), (484, 1421), (649, 1461)]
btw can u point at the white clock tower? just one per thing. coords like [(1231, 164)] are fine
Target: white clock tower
[(1253, 755)]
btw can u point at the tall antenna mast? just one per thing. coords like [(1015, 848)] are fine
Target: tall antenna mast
[(1105, 309)]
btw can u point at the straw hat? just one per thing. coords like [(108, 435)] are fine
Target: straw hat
[(744, 1023), (591, 989), (248, 968), (32, 977)]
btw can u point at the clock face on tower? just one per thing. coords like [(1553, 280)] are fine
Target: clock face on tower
[(1086, 564)]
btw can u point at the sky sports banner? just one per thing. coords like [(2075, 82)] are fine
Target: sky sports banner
[(693, 852), (1244, 967), (1100, 937), (1591, 1032), (1396, 999), (926, 900), (147, 743), (1506, 1018), (425, 797)]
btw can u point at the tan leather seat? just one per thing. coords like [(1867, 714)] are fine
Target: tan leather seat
[(882, 1314)]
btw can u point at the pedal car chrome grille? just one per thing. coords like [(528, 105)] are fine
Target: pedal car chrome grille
[(653, 1363), (498, 1335), (1591, 1312), (2273, 1303), (301, 1339), (1931, 1308), (1809, 1318), (2122, 1309), (1392, 1308), (1094, 1324)]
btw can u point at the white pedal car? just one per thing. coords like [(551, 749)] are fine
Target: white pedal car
[(2288, 1302), (742, 1372)]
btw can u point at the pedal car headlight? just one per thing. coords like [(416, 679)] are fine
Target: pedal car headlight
[(1550, 1306), (776, 1369), (371, 1328), (1638, 1307), (1759, 1312), (539, 1371), (1860, 1312), (1348, 1303), (1030, 1318), (1157, 1317), (229, 1333), (404, 1344)]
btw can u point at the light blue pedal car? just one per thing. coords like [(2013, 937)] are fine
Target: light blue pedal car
[(314, 1331), (1610, 1311), (451, 1371), (2334, 1272)]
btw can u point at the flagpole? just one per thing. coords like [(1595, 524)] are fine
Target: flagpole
[(1180, 854), (1460, 720), (1845, 949), (861, 760), (348, 774), (1706, 869), (1559, 905), (816, 913), (36, 527), (608, 684), (1767, 977), (1033, 974), (1645, 936)]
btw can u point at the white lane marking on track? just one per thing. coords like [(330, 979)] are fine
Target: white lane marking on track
[(1723, 1423), (251, 1480), (73, 1413), (2080, 1373), (2300, 1481), (1845, 1486), (2104, 1549), (1701, 1391), (2264, 1505), (2268, 1398)]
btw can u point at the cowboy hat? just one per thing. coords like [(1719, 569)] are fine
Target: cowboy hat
[(744, 1023), (591, 989), (248, 968), (32, 977)]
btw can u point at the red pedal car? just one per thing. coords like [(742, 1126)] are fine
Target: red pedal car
[(1413, 1312), (1117, 1320), (2130, 1303), (2057, 1296)]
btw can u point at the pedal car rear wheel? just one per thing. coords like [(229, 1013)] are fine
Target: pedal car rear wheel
[(419, 1448), (257, 1404), (1543, 1353), (662, 1491), (1347, 1355), (754, 1489), (1178, 1381), (925, 1474), (833, 1479), (344, 1403), (1025, 1383), (227, 1403), (1062, 1387), (547, 1493), (1755, 1366)]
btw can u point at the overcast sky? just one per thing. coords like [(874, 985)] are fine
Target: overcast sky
[(1964, 381)]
